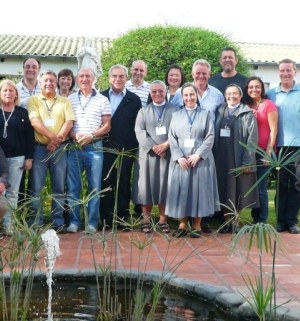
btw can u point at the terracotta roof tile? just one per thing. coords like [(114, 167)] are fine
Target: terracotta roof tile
[(269, 53), (51, 46), (47, 46)]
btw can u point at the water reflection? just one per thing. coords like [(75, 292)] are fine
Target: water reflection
[(77, 300)]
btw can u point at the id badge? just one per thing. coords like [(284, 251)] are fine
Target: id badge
[(225, 132), (160, 130), (189, 142), (49, 122)]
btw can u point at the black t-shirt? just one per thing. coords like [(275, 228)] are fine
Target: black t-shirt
[(221, 82)]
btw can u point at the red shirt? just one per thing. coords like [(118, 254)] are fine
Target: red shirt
[(261, 114)]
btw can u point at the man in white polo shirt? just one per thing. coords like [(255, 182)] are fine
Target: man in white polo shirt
[(92, 112)]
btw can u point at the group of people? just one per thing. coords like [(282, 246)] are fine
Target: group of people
[(190, 145)]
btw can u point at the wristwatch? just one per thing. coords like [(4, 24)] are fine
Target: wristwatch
[(93, 135)]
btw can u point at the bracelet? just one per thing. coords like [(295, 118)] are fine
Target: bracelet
[(93, 135)]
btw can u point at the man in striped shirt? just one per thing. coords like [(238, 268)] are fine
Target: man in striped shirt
[(29, 85), (92, 112), (137, 84)]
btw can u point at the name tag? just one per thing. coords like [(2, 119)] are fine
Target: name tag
[(189, 142), (225, 132), (160, 130), (49, 122)]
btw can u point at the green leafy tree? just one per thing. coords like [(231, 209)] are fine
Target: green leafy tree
[(161, 46)]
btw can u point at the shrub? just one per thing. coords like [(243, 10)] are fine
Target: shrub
[(161, 46)]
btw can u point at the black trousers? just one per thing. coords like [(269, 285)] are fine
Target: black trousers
[(288, 197), (119, 180)]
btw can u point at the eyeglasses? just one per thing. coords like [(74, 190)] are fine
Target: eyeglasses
[(159, 92)]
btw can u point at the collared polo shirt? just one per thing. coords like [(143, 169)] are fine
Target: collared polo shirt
[(142, 91), (89, 111), (25, 94), (288, 104), (52, 112)]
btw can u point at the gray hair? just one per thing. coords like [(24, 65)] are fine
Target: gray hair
[(116, 67), (158, 82), (202, 62), (47, 72)]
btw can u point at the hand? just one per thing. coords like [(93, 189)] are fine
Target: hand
[(163, 155), (247, 170), (85, 139), (51, 147), (2, 188), (193, 159), (27, 164), (78, 136), (183, 162), (160, 148), (54, 140), (61, 138)]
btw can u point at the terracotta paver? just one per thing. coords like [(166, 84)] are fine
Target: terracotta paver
[(208, 259)]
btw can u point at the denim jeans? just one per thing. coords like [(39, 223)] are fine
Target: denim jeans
[(57, 166), (15, 172), (260, 214), (90, 159)]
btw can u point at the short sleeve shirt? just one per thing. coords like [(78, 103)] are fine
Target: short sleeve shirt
[(52, 112), (89, 111)]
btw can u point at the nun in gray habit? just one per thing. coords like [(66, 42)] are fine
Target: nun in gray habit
[(152, 165), (192, 181)]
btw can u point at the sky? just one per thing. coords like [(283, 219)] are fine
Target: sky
[(263, 21)]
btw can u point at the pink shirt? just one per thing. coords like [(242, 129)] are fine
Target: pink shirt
[(261, 114)]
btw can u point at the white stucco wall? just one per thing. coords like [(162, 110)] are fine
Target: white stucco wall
[(14, 66), (269, 75)]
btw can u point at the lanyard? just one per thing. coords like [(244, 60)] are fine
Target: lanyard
[(191, 120), (83, 107), (51, 107), (230, 114), (159, 114), (233, 111)]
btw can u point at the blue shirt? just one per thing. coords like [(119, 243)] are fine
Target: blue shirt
[(115, 99), (288, 104), (211, 99)]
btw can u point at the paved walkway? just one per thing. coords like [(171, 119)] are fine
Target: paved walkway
[(206, 260)]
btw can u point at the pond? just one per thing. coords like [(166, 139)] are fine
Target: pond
[(77, 299)]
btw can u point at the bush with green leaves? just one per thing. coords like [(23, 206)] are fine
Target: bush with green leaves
[(161, 46)]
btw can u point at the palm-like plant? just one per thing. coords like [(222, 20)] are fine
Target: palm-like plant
[(264, 236)]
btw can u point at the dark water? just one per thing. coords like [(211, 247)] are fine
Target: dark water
[(78, 300)]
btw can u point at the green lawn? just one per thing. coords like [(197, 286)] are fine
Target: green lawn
[(245, 215)]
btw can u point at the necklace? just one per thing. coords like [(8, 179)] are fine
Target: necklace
[(258, 103), (6, 121)]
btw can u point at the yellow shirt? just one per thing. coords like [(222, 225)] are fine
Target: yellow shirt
[(52, 112)]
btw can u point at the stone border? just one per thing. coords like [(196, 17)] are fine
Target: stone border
[(231, 303)]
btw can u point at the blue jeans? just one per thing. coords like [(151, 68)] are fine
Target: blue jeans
[(57, 166), (90, 159), (260, 214), (15, 170)]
